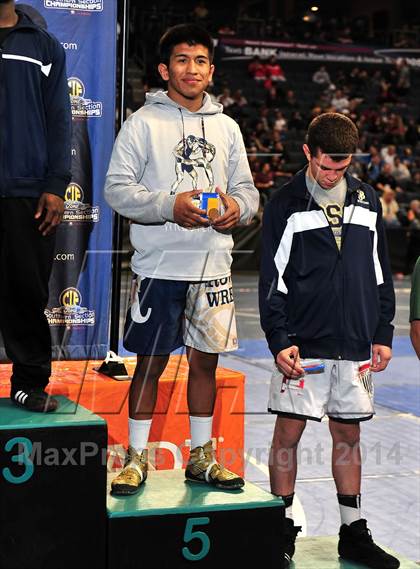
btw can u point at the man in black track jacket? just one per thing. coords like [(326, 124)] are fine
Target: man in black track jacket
[(326, 304), (35, 127)]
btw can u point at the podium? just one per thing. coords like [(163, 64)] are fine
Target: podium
[(170, 431), (52, 488), (174, 524)]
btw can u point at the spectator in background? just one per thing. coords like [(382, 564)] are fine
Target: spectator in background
[(374, 168), (413, 214), (272, 97), (256, 69), (277, 166), (225, 99), (315, 112), (226, 30), (274, 70), (403, 77), (322, 77), (280, 123), (386, 94), (390, 208), (290, 100), (296, 121), (394, 129), (407, 156), (385, 180), (253, 65), (264, 181), (412, 188), (239, 99), (400, 172), (340, 102), (253, 159), (389, 154), (201, 12), (412, 132)]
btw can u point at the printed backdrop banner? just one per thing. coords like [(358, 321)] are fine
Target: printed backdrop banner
[(80, 286), (236, 48)]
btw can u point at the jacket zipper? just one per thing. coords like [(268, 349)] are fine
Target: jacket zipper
[(339, 261)]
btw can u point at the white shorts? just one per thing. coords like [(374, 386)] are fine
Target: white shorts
[(343, 391), (210, 323)]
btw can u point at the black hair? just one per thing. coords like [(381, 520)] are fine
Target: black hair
[(184, 33), (333, 134)]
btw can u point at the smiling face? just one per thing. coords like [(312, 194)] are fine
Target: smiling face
[(188, 74), (326, 171)]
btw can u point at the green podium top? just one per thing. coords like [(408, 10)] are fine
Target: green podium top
[(68, 414), (167, 492)]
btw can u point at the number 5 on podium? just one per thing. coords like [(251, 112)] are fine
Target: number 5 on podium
[(189, 535)]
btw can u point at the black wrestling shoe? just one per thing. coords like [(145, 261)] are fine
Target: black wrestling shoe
[(35, 400), (356, 544), (290, 533)]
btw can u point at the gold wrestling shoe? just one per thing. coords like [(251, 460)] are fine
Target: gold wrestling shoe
[(202, 467), (132, 476)]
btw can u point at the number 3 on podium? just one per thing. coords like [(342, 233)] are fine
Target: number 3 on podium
[(189, 535), (23, 458)]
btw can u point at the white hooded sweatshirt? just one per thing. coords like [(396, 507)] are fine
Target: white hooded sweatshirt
[(163, 147)]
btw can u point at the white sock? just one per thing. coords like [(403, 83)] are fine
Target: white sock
[(288, 502), (350, 508), (289, 512), (139, 433), (200, 430)]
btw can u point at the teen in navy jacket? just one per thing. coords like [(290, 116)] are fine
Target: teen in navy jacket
[(332, 303), (35, 128), (326, 304)]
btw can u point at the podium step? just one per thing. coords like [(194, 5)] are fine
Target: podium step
[(171, 523), (52, 488), (321, 553)]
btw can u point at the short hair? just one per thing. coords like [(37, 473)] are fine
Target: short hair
[(333, 134), (184, 33)]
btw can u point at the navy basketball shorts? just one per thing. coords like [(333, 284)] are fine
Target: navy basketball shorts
[(343, 391), (164, 315)]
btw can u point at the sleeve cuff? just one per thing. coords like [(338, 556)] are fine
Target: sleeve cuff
[(383, 335), (56, 186), (278, 342), (167, 209)]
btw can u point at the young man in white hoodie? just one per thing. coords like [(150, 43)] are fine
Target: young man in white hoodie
[(178, 145)]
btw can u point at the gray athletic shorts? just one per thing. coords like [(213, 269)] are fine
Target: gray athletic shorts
[(343, 391)]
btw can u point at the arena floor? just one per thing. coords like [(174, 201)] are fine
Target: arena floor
[(390, 442)]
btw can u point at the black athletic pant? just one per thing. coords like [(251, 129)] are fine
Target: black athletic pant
[(26, 259)]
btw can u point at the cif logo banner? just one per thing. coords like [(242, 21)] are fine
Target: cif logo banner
[(75, 211), (81, 106), (82, 5), (81, 288), (70, 312)]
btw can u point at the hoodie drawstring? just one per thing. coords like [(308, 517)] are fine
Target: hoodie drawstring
[(183, 128)]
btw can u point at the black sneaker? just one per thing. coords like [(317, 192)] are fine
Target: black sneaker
[(34, 400), (290, 533), (356, 544)]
